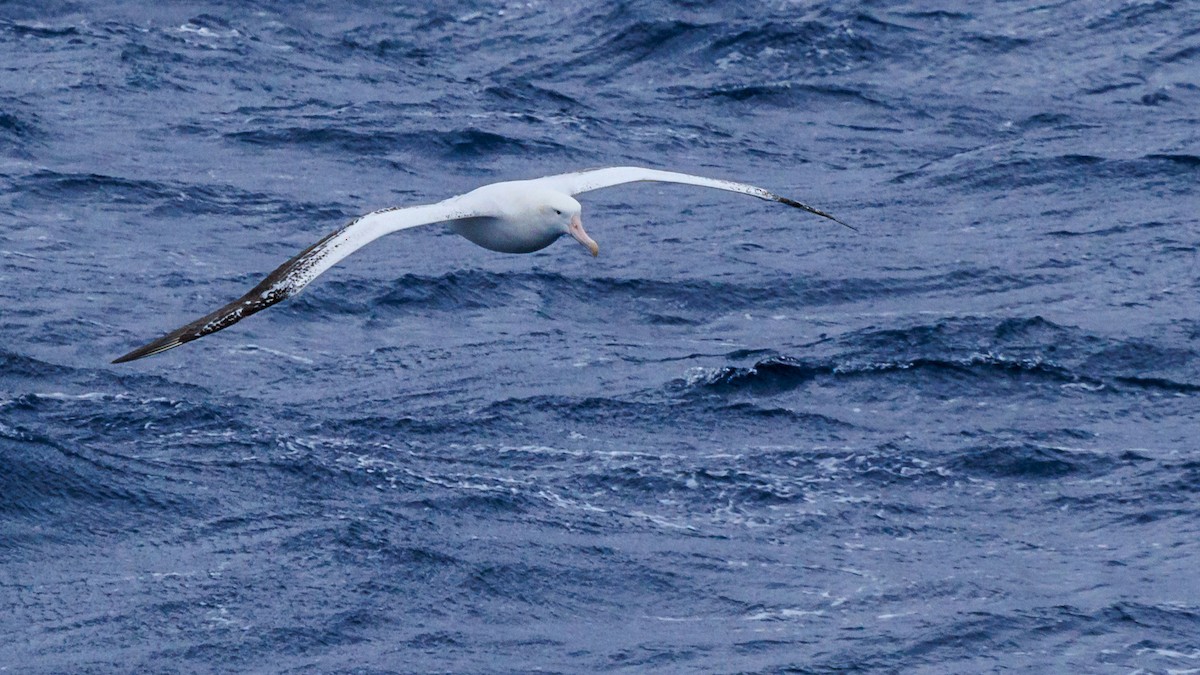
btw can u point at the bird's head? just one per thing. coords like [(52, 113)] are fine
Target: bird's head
[(562, 213)]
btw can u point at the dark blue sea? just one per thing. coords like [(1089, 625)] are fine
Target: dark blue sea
[(743, 439)]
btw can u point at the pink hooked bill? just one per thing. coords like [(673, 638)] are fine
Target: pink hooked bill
[(581, 236)]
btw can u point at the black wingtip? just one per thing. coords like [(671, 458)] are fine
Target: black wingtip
[(806, 207), (262, 296), (156, 347)]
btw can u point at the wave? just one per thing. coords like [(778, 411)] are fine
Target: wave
[(974, 352), (779, 374), (701, 45), (90, 402), (166, 198), (14, 366), (1126, 17), (786, 94), (642, 413), (656, 301), (68, 489), (16, 128), (21, 131), (453, 144), (1107, 231), (1070, 170), (36, 29), (524, 93), (1028, 461)]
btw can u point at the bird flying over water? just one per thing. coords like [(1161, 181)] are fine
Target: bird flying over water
[(510, 217)]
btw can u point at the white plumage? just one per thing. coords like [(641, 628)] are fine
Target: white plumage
[(511, 217)]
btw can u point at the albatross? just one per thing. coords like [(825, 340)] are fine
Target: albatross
[(511, 217)]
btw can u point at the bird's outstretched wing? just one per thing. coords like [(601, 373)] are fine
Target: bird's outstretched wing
[(296, 273), (595, 179)]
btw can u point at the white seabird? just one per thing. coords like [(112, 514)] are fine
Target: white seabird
[(511, 217)]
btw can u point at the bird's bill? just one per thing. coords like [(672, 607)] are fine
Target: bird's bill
[(582, 237)]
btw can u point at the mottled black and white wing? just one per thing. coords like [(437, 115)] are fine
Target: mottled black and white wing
[(298, 272), (595, 179)]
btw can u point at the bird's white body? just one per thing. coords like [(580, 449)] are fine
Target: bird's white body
[(527, 217), (511, 217)]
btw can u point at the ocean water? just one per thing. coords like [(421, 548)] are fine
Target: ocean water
[(741, 440)]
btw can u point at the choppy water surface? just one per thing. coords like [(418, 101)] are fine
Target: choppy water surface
[(741, 440)]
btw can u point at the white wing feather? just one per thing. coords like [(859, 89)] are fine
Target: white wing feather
[(595, 179), (295, 274)]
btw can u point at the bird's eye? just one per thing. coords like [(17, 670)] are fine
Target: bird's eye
[(558, 212)]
